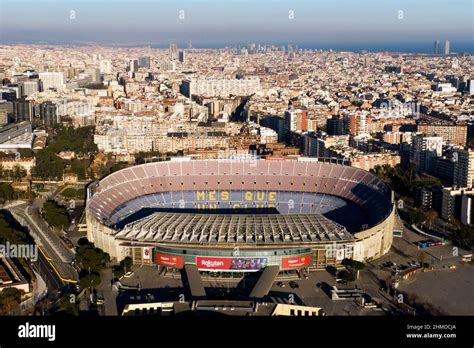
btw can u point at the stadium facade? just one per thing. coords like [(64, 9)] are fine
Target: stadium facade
[(241, 215)]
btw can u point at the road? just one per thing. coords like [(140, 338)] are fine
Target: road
[(60, 257), (52, 280), (41, 265)]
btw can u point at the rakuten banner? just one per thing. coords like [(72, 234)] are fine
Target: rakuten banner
[(230, 263), (169, 260), (296, 262)]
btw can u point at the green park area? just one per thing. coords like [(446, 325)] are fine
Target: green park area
[(80, 140)]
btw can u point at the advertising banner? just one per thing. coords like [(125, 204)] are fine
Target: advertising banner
[(340, 254), (169, 260), (296, 262), (230, 263), (146, 253)]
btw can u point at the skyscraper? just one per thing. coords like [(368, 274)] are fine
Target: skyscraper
[(105, 66), (182, 56), (436, 47), (144, 62), (446, 47), (173, 50), (133, 65)]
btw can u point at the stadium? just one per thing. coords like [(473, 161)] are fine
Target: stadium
[(241, 215)]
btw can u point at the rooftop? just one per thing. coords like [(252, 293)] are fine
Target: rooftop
[(236, 228)]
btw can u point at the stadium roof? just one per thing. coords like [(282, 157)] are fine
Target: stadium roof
[(249, 229), (353, 184)]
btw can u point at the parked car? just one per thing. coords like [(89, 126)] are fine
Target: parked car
[(281, 284)]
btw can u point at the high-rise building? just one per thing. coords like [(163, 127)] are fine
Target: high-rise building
[(30, 87), (133, 65), (22, 110), (144, 62), (336, 126), (464, 168), (173, 50), (220, 87), (446, 47), (436, 47), (295, 120), (182, 56), (367, 61), (457, 203), (424, 149), (470, 87), (52, 80), (357, 123), (105, 66), (94, 74), (48, 114)]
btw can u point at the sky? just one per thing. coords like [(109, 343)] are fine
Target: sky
[(214, 23)]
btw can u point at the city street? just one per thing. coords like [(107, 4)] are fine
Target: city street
[(60, 257)]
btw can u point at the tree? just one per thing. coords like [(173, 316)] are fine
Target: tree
[(347, 276), (68, 307), (25, 152), (353, 264), (91, 258), (89, 280), (10, 299), (18, 172), (48, 165), (55, 215), (463, 237), (6, 192), (11, 231), (430, 217), (421, 256)]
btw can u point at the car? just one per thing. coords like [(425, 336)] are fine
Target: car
[(452, 266), (294, 285), (128, 274), (341, 281), (281, 284)]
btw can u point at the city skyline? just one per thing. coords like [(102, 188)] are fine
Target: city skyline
[(340, 25)]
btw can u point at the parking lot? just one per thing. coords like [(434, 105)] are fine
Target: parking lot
[(449, 290)]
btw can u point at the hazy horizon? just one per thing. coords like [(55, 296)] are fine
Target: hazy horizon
[(338, 24)]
